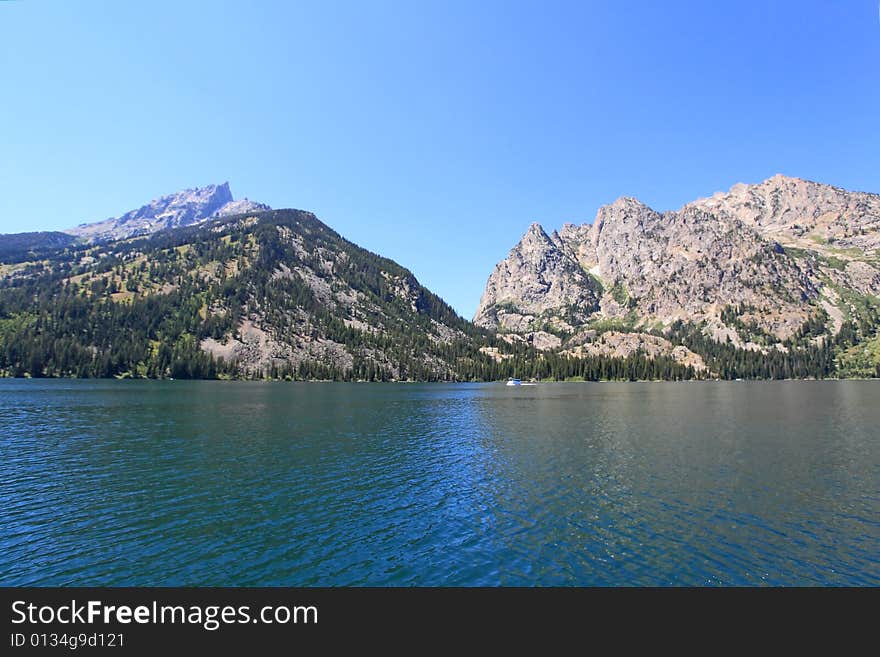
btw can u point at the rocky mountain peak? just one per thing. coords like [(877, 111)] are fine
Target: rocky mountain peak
[(536, 234), (623, 206), (183, 208), (626, 203), (537, 271)]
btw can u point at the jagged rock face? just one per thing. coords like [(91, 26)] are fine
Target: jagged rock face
[(183, 208), (691, 264), (538, 275), (796, 211)]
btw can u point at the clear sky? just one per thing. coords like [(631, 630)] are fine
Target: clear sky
[(432, 133)]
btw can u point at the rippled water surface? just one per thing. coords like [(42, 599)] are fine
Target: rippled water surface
[(218, 483)]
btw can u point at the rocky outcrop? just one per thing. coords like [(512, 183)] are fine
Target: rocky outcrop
[(623, 345), (759, 255), (690, 265), (184, 208), (538, 276)]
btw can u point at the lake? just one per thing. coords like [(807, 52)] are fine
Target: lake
[(148, 483)]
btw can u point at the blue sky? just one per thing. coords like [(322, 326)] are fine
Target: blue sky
[(432, 133)]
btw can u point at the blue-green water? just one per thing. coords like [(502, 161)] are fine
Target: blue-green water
[(218, 483)]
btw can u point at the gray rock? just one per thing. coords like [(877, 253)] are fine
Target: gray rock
[(643, 268), (538, 275), (190, 206), (242, 206)]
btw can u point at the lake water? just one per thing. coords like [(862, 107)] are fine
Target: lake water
[(244, 483)]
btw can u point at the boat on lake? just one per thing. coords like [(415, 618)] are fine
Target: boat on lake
[(514, 382)]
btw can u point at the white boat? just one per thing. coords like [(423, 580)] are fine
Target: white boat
[(514, 382)]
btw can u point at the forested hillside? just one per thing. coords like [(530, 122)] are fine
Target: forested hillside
[(278, 294)]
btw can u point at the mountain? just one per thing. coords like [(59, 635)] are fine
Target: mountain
[(275, 293), (539, 274), (781, 266), (184, 208), (776, 280), (23, 246)]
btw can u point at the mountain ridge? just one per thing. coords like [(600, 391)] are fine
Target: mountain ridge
[(753, 266), (275, 294), (775, 280)]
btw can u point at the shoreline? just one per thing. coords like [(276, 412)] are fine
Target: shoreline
[(421, 382)]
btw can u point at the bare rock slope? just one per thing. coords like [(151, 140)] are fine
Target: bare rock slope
[(751, 266), (183, 208)]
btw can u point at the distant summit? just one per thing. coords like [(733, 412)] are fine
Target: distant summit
[(190, 206)]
